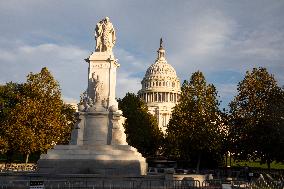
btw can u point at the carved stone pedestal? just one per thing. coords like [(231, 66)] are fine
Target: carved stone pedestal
[(104, 160), (98, 146)]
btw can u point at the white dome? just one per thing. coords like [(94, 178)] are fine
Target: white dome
[(160, 89), (160, 76), (160, 69)]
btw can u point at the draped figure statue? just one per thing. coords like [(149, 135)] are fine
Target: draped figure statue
[(97, 87), (105, 36)]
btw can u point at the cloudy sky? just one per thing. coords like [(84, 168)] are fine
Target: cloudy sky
[(222, 39)]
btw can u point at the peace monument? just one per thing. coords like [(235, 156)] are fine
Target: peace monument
[(98, 142)]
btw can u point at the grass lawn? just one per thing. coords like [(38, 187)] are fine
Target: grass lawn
[(257, 164)]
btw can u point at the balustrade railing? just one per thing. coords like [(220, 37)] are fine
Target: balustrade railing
[(17, 167)]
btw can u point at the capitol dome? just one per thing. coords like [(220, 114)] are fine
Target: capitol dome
[(160, 88), (160, 68)]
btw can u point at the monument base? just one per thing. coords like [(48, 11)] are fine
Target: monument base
[(97, 167), (104, 160)]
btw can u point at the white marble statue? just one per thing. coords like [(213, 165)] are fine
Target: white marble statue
[(97, 87), (105, 36), (98, 143)]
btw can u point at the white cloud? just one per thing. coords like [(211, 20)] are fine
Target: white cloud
[(226, 89), (129, 62), (226, 93), (128, 77), (65, 63), (70, 100), (262, 43), (210, 33), (126, 83), (199, 35), (207, 39)]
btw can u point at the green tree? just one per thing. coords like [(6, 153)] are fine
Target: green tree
[(9, 97), (257, 128), (39, 119), (196, 128), (275, 117), (3, 145), (69, 115), (141, 127)]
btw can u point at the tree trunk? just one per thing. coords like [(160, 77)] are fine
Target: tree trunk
[(226, 156), (198, 162), (9, 155), (27, 160), (268, 163), (230, 157)]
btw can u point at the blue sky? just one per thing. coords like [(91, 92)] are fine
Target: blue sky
[(223, 39)]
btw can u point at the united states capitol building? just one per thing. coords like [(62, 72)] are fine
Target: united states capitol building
[(160, 89)]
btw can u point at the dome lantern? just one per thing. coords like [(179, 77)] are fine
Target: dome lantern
[(161, 51)]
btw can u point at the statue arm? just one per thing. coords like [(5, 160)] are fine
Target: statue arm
[(113, 36), (98, 30)]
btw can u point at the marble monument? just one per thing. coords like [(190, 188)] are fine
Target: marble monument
[(98, 142)]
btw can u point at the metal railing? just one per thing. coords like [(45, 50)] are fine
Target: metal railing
[(83, 183), (104, 184)]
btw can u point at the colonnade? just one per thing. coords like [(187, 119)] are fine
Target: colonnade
[(160, 97), (160, 84)]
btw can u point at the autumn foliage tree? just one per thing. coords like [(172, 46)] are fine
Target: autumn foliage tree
[(38, 119), (10, 95), (196, 128), (141, 127), (257, 123)]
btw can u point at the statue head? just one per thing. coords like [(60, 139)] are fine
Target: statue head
[(106, 19)]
